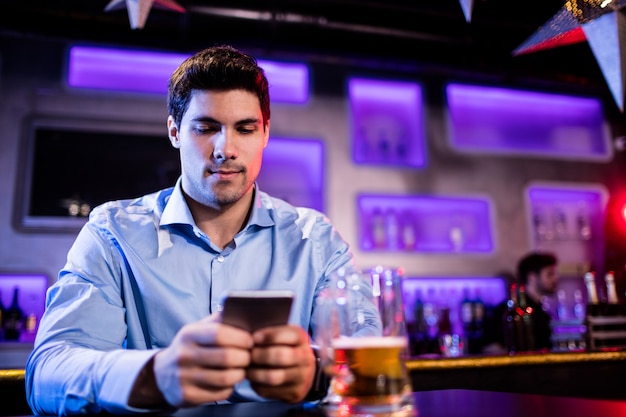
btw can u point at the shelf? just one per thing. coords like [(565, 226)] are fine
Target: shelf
[(425, 224), (567, 219), (293, 169), (517, 122), (386, 119)]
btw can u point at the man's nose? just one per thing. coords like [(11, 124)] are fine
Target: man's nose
[(224, 147)]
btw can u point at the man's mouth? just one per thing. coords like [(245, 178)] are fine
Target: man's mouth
[(224, 173)]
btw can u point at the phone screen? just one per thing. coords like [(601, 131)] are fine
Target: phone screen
[(253, 310)]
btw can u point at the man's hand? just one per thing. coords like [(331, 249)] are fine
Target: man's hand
[(283, 363), (203, 363)]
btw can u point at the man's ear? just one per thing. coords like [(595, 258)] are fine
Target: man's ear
[(172, 132), (266, 133)]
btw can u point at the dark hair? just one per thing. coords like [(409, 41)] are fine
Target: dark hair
[(216, 68), (534, 262)]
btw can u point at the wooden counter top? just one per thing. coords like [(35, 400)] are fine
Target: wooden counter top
[(579, 374), (498, 361)]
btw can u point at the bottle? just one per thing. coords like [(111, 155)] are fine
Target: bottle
[(384, 146), (379, 235), (444, 326), (408, 231), (593, 303), (457, 237), (467, 313), (582, 222), (1, 317), (420, 332), (527, 342), (593, 312), (450, 343), (431, 318), (474, 344), (392, 229), (13, 317), (479, 312), (579, 306), (612, 306), (512, 323), (560, 223), (539, 224), (472, 316), (561, 305)]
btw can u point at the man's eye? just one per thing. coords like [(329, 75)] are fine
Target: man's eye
[(246, 130), (204, 129)]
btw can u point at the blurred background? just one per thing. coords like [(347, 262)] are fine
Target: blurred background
[(411, 124)]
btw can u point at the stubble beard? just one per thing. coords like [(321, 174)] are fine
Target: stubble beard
[(222, 193)]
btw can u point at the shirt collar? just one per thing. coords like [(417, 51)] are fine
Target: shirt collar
[(177, 211)]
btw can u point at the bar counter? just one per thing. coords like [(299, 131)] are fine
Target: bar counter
[(441, 403), (600, 374), (576, 375)]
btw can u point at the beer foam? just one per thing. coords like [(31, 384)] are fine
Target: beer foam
[(367, 342)]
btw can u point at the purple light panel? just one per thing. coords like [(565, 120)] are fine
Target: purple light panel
[(148, 72), (32, 295), (425, 224), (449, 291), (507, 121), (560, 195), (293, 169), (568, 219), (120, 69), (386, 121), (289, 82)]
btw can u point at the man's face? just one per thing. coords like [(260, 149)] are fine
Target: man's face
[(221, 139), (547, 280)]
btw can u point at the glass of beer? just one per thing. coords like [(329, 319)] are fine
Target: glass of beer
[(362, 335)]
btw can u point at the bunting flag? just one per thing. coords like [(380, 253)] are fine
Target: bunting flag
[(602, 24), (467, 6), (138, 10)]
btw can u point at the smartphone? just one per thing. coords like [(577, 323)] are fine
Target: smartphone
[(253, 310)]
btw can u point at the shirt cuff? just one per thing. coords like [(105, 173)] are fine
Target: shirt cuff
[(119, 380)]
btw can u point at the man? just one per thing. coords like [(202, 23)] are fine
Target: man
[(133, 322), (537, 272)]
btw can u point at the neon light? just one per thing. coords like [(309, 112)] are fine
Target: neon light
[(293, 169), (148, 72), (491, 290), (425, 224), (387, 123), (32, 296), (507, 121)]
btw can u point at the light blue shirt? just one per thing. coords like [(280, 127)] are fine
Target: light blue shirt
[(91, 344)]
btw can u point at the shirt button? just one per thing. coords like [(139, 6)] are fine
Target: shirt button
[(220, 259)]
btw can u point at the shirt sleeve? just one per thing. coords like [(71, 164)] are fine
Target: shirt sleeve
[(80, 363)]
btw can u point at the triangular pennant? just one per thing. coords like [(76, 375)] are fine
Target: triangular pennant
[(582, 20), (115, 5), (606, 36), (467, 6), (138, 10), (562, 29), (169, 5)]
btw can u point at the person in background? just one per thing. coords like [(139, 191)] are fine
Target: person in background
[(133, 321), (537, 271)]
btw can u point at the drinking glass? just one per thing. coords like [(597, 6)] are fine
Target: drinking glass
[(362, 336)]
